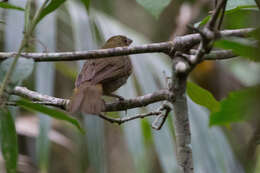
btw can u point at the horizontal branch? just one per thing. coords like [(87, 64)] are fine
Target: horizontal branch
[(32, 95), (178, 44), (109, 107), (46, 103), (139, 101), (216, 54)]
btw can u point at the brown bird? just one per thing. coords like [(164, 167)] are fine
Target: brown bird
[(100, 77)]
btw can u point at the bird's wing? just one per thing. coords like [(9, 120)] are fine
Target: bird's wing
[(101, 70)]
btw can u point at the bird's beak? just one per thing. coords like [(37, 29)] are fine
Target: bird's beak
[(129, 41)]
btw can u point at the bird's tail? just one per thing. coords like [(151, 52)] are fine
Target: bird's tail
[(87, 99)]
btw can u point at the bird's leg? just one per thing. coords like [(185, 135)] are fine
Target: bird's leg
[(120, 98)]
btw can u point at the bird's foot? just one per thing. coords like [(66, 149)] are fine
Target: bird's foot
[(120, 98)]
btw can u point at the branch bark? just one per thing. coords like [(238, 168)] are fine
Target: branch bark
[(180, 71), (181, 120), (216, 55), (180, 43), (129, 118), (109, 107), (158, 113)]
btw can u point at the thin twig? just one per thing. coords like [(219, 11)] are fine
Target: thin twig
[(129, 118), (212, 21), (208, 35), (222, 16), (160, 120)]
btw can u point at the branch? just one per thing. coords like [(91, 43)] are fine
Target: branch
[(222, 15), (140, 101), (109, 119), (129, 118), (159, 121), (208, 35), (46, 103), (156, 124), (216, 55), (178, 44), (212, 21), (180, 73), (109, 107), (46, 99)]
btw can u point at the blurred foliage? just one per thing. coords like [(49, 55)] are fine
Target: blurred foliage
[(244, 47), (8, 140), (238, 106), (154, 7), (10, 6), (202, 97), (53, 5), (22, 71), (236, 11), (241, 47), (54, 113), (86, 3)]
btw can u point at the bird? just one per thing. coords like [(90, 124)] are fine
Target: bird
[(100, 77)]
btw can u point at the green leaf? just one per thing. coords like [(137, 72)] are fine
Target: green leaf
[(202, 97), (241, 47), (24, 68), (50, 112), (203, 22), (230, 11), (86, 3), (53, 5), (155, 7), (10, 6), (237, 106), (8, 139)]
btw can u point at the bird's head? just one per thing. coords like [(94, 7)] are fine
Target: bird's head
[(117, 41)]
